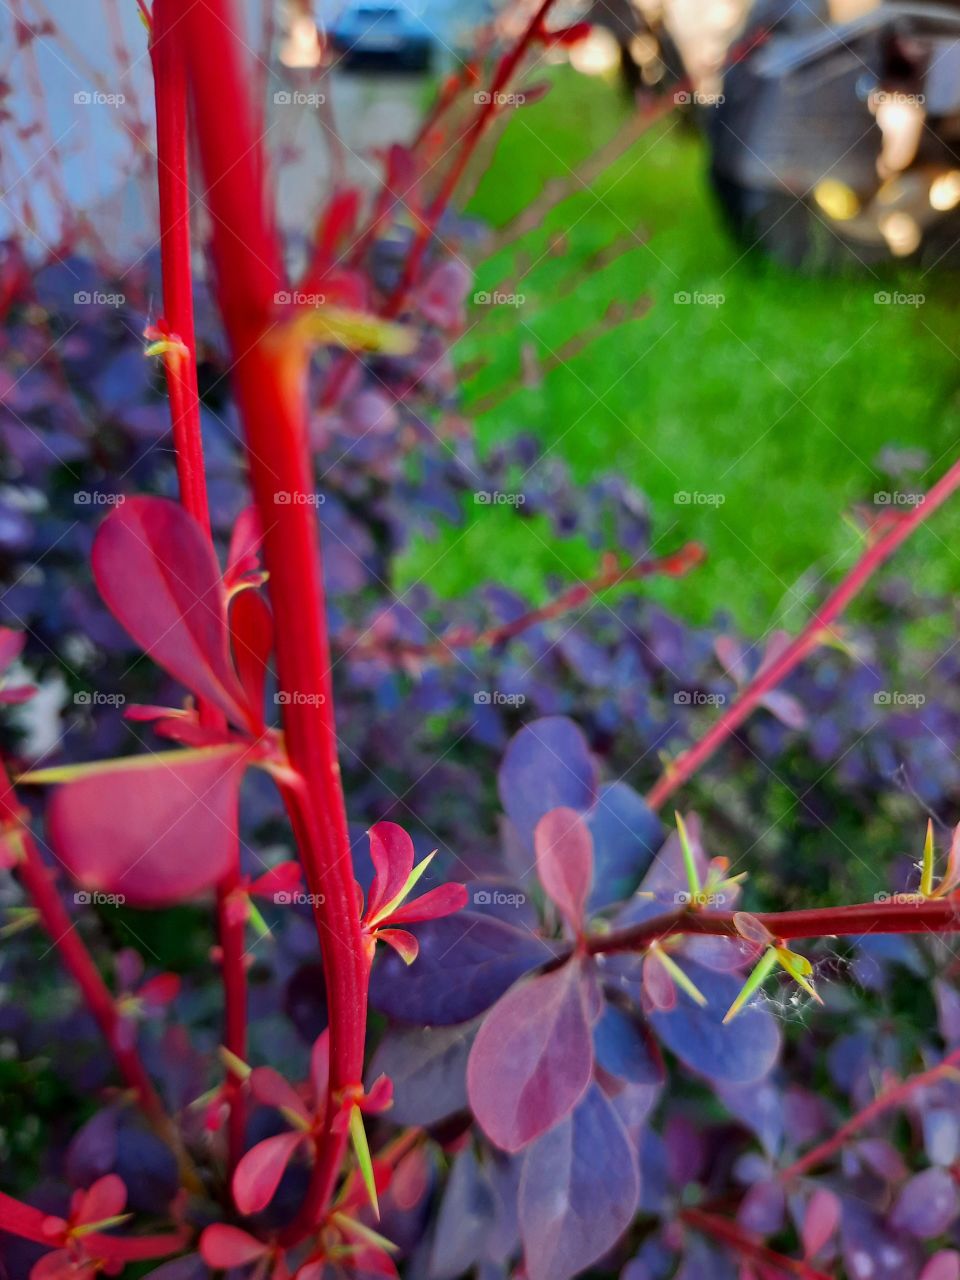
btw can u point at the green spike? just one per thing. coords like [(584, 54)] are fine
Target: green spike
[(799, 969), (236, 1066), (689, 861), (88, 1228), (926, 875), (682, 980), (20, 918), (407, 889), (764, 967), (260, 926), (363, 1232), (361, 1148)]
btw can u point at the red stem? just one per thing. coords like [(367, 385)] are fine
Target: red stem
[(892, 1097), (427, 223), (903, 916), (687, 764), (748, 1246), (270, 371), (170, 87)]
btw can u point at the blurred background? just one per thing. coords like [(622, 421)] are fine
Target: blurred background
[(754, 393)]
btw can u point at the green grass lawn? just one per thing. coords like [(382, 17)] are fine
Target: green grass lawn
[(779, 399)]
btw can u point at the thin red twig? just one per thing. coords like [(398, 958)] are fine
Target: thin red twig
[(485, 115), (686, 765), (747, 1245), (362, 644), (895, 1096), (904, 915)]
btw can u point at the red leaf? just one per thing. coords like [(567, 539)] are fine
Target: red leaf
[(62, 1266), (944, 1265), (105, 1198), (658, 987), (379, 1096), (160, 579), (160, 991), (11, 646), (243, 557), (532, 1059), (820, 1221), (157, 829), (270, 1088), (565, 35), (338, 223), (283, 878), (223, 1246), (442, 901), (258, 1174), (391, 850), (564, 850), (404, 944), (251, 630)]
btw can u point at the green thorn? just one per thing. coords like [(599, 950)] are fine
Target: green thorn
[(20, 919), (682, 980), (361, 1149), (235, 1066), (926, 875), (799, 969), (407, 889), (260, 926), (689, 861), (88, 1228), (764, 967), (363, 1232)]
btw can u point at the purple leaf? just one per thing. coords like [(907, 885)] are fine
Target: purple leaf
[(626, 834), (565, 862), (763, 1209), (760, 1108), (948, 1011), (622, 1048), (191, 1267), (871, 1251), (738, 1053), (532, 1059), (428, 1067), (926, 1205), (466, 1216), (466, 963), (578, 1192), (667, 878), (547, 765)]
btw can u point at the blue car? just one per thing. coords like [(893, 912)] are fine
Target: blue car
[(381, 36)]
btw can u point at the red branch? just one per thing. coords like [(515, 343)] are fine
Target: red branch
[(687, 764), (904, 915), (484, 117), (270, 376), (895, 1096), (748, 1246), (170, 86), (363, 644)]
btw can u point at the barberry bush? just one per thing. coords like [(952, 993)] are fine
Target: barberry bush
[(293, 991)]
